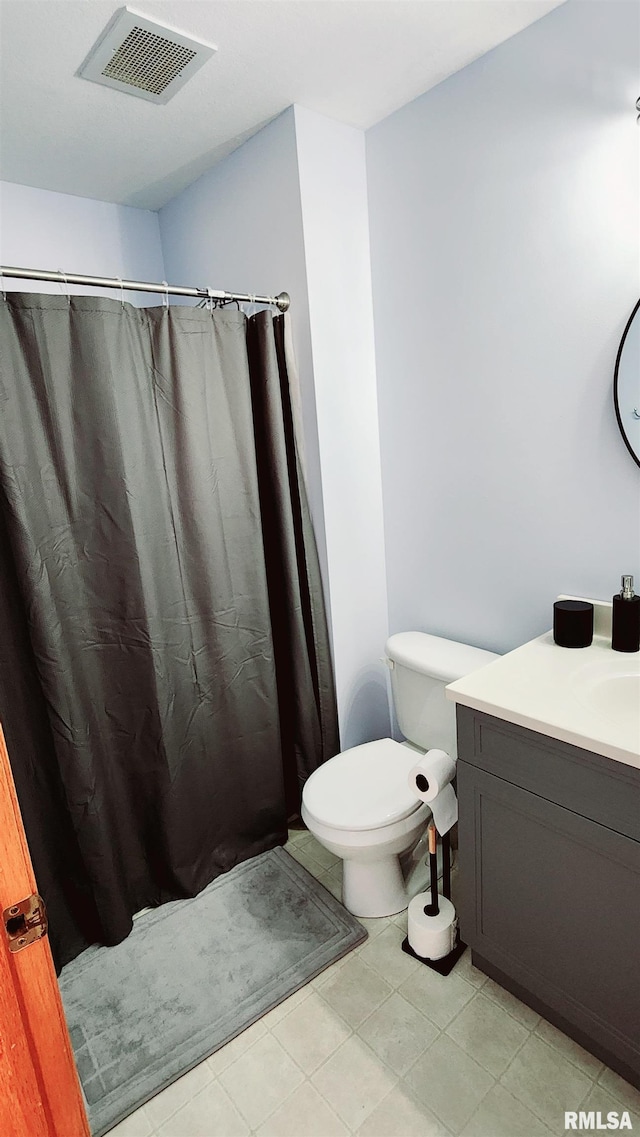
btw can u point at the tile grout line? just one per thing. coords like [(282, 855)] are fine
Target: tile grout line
[(415, 1099), (552, 1051), (506, 1010), (376, 1057), (622, 1105), (306, 1077), (211, 1078), (581, 1070), (432, 1108)]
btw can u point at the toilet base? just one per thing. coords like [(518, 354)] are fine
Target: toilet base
[(374, 888)]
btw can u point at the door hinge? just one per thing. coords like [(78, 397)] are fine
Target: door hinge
[(25, 922)]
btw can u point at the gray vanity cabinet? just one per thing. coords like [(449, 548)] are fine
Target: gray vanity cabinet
[(549, 880)]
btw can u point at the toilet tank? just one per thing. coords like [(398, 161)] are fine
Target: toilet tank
[(421, 666)]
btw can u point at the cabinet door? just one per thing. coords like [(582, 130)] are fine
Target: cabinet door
[(553, 900)]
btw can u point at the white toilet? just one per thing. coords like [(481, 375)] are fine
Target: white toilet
[(359, 804)]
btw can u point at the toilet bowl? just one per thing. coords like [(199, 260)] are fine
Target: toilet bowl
[(360, 807), (359, 804)]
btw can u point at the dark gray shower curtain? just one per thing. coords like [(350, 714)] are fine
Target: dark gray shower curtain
[(165, 677)]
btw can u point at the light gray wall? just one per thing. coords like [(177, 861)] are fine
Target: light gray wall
[(239, 228), (505, 261), (333, 193), (44, 229)]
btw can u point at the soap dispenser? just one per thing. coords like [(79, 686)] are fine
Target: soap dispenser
[(625, 626)]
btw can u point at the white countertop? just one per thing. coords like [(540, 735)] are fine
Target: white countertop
[(566, 693)]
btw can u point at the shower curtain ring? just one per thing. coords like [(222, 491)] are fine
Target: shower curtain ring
[(121, 291), (2, 287), (165, 298), (66, 285)]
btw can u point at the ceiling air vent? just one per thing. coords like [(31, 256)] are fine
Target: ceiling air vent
[(144, 58)]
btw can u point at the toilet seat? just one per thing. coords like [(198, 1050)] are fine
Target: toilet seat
[(365, 787)]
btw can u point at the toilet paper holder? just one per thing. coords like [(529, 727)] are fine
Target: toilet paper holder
[(446, 963)]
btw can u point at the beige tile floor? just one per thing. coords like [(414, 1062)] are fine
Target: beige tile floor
[(380, 1046)]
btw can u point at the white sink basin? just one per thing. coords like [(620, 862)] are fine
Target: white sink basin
[(611, 688)]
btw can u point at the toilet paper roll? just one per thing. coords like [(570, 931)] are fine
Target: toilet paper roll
[(445, 810), (431, 937), (430, 779), (435, 770)]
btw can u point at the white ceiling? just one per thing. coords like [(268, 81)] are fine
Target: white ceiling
[(353, 60)]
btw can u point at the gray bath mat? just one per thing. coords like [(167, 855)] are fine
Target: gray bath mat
[(192, 975)]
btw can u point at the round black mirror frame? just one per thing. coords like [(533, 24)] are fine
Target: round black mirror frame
[(615, 386)]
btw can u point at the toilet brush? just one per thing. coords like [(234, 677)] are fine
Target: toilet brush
[(433, 927)]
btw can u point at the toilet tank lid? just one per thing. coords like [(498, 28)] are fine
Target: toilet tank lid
[(442, 659)]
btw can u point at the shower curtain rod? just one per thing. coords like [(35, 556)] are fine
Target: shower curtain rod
[(281, 301)]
